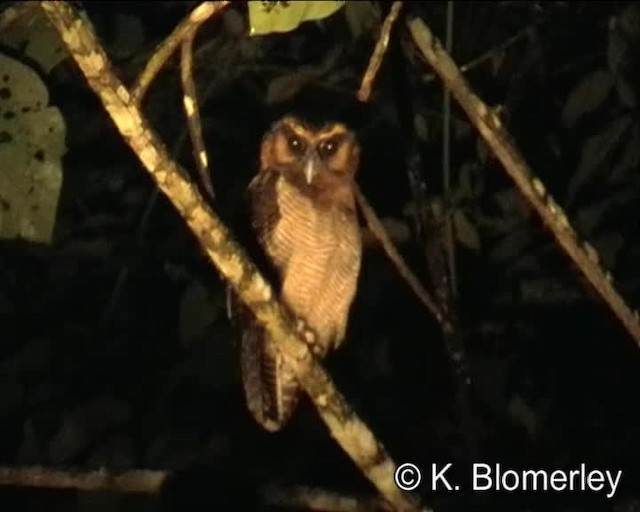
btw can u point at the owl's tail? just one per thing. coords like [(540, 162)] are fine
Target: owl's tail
[(271, 389)]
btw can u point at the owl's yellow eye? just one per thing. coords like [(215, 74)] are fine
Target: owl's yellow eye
[(296, 144), (328, 148)]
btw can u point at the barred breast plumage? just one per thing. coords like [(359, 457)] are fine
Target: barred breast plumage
[(306, 222)]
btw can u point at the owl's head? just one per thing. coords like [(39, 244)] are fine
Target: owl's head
[(311, 157)]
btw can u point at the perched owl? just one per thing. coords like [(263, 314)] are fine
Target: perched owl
[(303, 214)]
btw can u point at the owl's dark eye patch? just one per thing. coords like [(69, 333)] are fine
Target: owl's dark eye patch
[(296, 144), (329, 147)]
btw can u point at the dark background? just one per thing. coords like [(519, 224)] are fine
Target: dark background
[(116, 350)]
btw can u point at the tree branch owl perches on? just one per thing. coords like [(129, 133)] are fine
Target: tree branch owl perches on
[(303, 213)]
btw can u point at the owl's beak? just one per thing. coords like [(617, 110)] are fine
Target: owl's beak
[(310, 168)]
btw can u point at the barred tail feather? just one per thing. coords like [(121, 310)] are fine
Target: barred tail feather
[(271, 389)]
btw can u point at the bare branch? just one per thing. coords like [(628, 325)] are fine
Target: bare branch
[(378, 53), (497, 138), (377, 228), (190, 102), (375, 225), (134, 481), (165, 50)]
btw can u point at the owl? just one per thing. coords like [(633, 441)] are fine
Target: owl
[(303, 215)]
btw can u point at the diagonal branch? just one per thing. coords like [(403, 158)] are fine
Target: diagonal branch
[(375, 225), (230, 259), (497, 138), (378, 52), (189, 25), (377, 228)]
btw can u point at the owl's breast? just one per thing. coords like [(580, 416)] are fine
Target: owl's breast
[(306, 231), (318, 251)]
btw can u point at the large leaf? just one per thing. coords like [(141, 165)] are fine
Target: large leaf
[(269, 17), (32, 142)]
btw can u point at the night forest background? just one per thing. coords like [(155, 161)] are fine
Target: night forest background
[(115, 346)]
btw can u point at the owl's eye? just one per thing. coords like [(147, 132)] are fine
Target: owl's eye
[(296, 144), (328, 148)]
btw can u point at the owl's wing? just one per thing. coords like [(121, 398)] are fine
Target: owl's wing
[(271, 389), (262, 192), (264, 216)]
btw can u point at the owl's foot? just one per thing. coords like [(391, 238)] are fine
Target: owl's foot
[(309, 337)]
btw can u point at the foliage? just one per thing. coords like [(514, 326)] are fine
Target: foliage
[(268, 17), (31, 147)]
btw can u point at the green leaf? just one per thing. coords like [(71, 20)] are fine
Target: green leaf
[(269, 17), (32, 143)]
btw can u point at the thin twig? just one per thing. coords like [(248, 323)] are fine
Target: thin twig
[(166, 49), (501, 48), (228, 256), (446, 163), (378, 53), (497, 138), (190, 102), (488, 55), (379, 231), (374, 223)]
